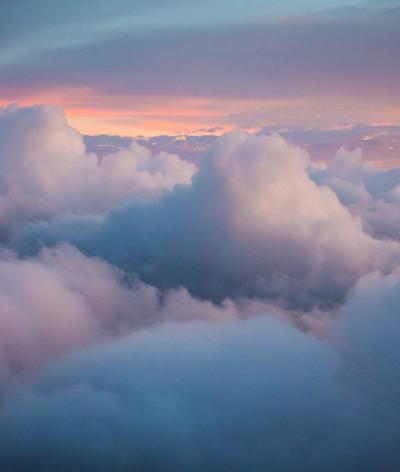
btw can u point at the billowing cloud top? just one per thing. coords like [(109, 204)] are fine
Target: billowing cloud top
[(45, 169), (254, 222), (241, 314)]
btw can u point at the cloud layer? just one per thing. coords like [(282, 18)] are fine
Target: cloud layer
[(242, 315), (243, 395), (344, 52), (253, 223)]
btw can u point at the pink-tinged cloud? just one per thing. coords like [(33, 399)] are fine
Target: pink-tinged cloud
[(101, 370), (214, 282), (46, 169), (258, 219)]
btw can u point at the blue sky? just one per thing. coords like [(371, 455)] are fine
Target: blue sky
[(31, 26)]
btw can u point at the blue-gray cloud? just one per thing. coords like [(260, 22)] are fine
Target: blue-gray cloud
[(244, 395), (345, 52), (28, 25), (102, 371), (253, 223)]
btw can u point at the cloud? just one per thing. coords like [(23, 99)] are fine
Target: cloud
[(252, 224), (129, 289), (244, 395), (368, 332), (45, 169), (380, 144), (62, 300), (59, 301), (347, 53), (371, 193)]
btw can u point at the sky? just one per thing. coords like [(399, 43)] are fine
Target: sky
[(238, 310), (199, 236), (151, 68)]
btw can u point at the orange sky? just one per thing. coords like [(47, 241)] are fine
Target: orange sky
[(94, 113)]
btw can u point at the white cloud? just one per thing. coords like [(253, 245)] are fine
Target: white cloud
[(370, 193), (253, 223), (101, 371), (45, 169)]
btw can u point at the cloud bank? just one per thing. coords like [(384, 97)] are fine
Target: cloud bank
[(254, 223), (242, 395), (242, 315)]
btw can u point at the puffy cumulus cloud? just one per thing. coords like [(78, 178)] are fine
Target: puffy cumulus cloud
[(102, 371), (45, 169), (58, 301), (253, 223), (243, 395), (369, 192), (62, 300)]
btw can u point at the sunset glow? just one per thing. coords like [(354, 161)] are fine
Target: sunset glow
[(199, 236)]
